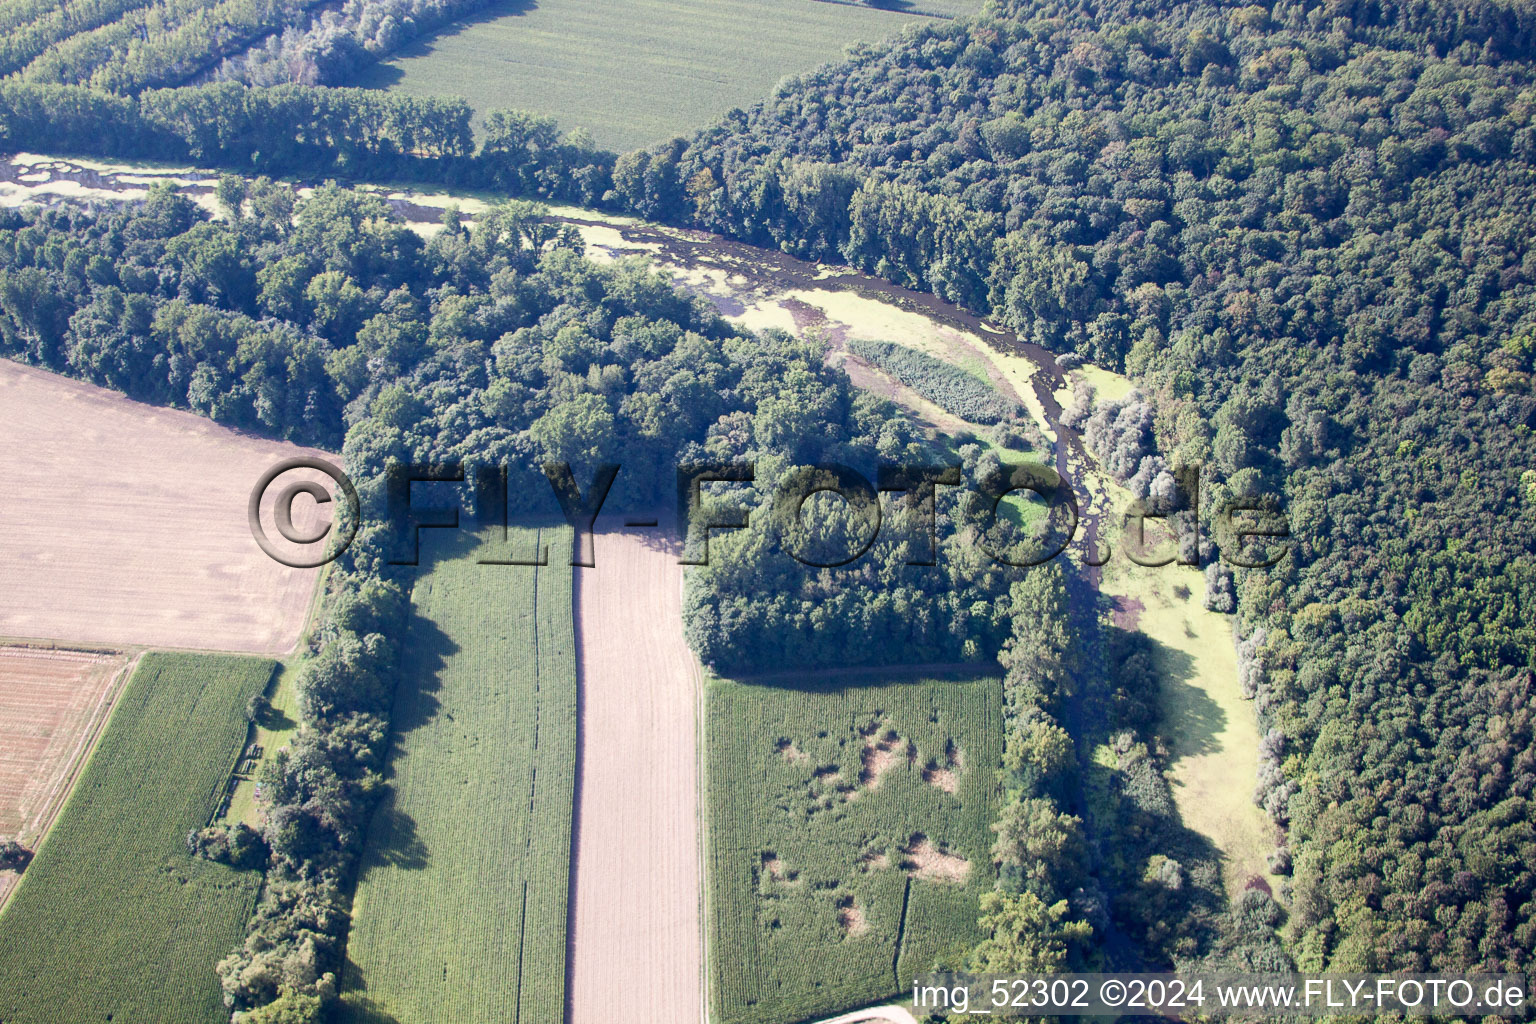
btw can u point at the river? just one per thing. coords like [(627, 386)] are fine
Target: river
[(761, 289)]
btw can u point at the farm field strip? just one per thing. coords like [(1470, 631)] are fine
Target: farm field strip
[(114, 919), (52, 706), (638, 73), (461, 908), (637, 933), (126, 524), (848, 836)]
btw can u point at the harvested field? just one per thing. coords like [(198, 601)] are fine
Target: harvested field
[(52, 706), (114, 920), (136, 530), (637, 938)]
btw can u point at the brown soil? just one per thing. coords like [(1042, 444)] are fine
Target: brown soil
[(850, 917), (792, 753), (946, 774), (874, 861), (880, 756), (926, 861), (130, 525), (942, 778), (52, 706), (636, 936), (775, 870)]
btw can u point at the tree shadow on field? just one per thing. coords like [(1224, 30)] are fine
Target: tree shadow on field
[(392, 838), (394, 842), (355, 1007), (879, 5), (427, 649), (274, 719), (383, 75), (1191, 719)]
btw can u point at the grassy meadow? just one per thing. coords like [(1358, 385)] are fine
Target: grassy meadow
[(848, 838), (114, 920), (460, 913), (275, 729), (1211, 730), (637, 73)]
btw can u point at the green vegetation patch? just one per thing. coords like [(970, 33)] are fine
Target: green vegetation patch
[(636, 73), (952, 389), (114, 920), (276, 721), (848, 838), (460, 913)]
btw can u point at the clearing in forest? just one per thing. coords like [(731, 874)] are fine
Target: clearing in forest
[(114, 920), (637, 938), (1210, 729), (848, 837), (130, 525), (638, 73), (460, 913)]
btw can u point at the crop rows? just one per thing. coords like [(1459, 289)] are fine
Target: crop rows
[(114, 920), (950, 388), (460, 914), (848, 839), (640, 72)]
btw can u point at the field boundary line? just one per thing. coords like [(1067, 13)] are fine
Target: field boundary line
[(701, 829), (901, 933), (85, 750)]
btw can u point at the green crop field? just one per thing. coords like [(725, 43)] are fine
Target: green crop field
[(848, 838), (637, 73), (460, 913), (114, 920)]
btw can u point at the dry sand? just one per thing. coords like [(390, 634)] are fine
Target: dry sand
[(125, 524), (636, 946)]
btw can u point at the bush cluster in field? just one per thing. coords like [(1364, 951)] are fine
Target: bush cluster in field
[(952, 389)]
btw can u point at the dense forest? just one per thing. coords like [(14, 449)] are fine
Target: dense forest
[(303, 130), (1304, 230), (328, 321)]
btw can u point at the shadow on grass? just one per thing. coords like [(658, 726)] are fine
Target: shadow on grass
[(879, 5), (274, 719), (392, 838), (1192, 721), (395, 843)]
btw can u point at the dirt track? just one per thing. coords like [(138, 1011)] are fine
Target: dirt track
[(636, 947), (52, 705), (125, 524)]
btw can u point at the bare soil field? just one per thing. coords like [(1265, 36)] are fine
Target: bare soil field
[(636, 946), (125, 524), (52, 706)]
